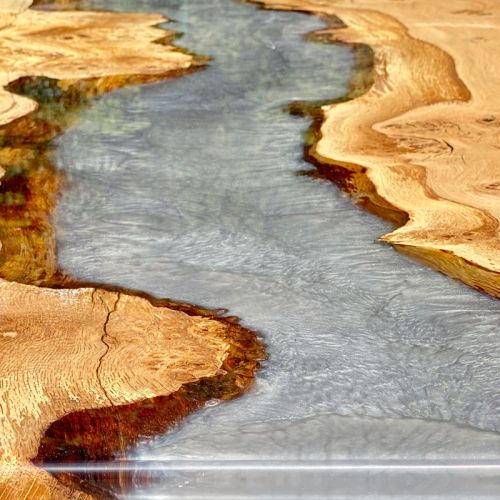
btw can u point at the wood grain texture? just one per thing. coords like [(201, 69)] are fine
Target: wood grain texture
[(79, 45), (31, 183), (86, 371), (423, 139), (54, 64), (63, 351)]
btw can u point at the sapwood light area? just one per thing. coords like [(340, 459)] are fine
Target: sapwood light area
[(423, 140), (86, 371)]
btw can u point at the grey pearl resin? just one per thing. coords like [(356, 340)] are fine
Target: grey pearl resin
[(188, 189)]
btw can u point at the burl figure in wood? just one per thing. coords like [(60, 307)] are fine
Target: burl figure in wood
[(86, 371), (421, 145)]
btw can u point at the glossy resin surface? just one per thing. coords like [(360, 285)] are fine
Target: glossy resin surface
[(189, 189)]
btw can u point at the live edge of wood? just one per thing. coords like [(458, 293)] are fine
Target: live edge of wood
[(86, 371), (421, 146)]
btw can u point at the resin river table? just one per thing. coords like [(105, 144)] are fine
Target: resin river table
[(211, 185)]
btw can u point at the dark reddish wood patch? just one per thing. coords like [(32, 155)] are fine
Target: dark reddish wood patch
[(105, 435)]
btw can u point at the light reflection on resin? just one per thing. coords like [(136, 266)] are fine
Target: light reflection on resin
[(188, 189)]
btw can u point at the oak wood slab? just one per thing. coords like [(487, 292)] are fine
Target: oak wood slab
[(97, 367), (424, 138)]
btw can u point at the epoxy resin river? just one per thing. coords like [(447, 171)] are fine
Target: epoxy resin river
[(188, 189)]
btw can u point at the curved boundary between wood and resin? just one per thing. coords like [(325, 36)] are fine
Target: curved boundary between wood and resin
[(353, 177), (98, 422), (100, 436)]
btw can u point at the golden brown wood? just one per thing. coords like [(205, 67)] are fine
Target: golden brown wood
[(63, 351), (79, 45), (423, 140), (78, 55), (86, 371)]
